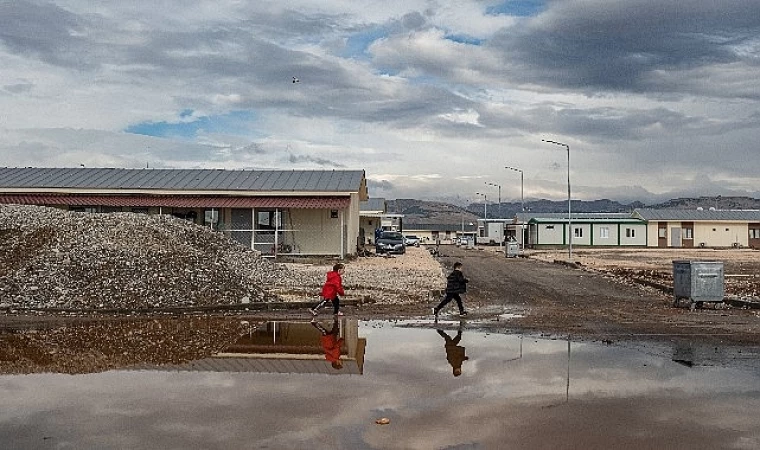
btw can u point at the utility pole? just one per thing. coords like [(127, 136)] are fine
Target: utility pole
[(569, 213)]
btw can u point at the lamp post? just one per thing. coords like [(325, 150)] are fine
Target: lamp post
[(522, 205), (498, 186), (485, 205), (569, 212), (522, 186)]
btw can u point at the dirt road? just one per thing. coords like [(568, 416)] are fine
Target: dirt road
[(556, 299)]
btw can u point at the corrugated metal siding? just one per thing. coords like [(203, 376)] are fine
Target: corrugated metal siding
[(183, 179)]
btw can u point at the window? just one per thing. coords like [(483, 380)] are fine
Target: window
[(630, 232), (269, 220), (578, 232), (688, 233), (211, 216), (663, 232), (604, 232), (550, 227), (754, 233)]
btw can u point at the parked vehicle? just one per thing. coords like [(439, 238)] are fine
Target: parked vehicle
[(390, 242), (411, 239)]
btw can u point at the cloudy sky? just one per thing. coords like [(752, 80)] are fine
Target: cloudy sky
[(433, 98)]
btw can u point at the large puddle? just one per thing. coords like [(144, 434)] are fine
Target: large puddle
[(175, 384)]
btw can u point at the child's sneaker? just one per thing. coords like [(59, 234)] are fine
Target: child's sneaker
[(313, 312), (463, 313)]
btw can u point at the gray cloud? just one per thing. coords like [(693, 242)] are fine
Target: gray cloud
[(626, 45), (311, 159), (650, 96)]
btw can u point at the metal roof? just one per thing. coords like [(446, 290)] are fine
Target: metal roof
[(626, 220), (373, 204), (528, 216), (693, 215), (182, 179), (178, 201)]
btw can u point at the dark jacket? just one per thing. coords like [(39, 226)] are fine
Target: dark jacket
[(456, 283)]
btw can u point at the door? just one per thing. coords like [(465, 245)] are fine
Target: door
[(675, 237), (662, 234)]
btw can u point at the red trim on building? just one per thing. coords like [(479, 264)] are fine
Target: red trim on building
[(177, 201)]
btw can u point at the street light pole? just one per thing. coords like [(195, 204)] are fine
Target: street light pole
[(569, 212), (522, 187), (498, 186), (522, 204), (485, 205)]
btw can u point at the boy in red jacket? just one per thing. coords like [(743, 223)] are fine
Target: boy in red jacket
[(330, 291)]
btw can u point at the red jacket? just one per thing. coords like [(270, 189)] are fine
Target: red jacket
[(331, 345), (333, 286)]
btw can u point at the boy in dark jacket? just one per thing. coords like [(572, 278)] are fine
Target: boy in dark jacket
[(456, 284), (332, 288)]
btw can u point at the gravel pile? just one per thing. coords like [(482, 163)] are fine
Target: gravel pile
[(403, 279), (51, 258)]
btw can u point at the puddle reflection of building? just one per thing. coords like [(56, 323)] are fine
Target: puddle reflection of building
[(286, 347)]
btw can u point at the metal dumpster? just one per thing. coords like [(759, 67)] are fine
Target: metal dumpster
[(698, 282), (512, 249)]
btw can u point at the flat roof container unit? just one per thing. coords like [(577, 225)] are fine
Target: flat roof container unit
[(698, 281)]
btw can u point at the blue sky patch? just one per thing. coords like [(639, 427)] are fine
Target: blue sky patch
[(520, 8), (464, 39), (357, 44), (235, 122)]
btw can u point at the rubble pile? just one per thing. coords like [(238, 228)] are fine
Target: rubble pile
[(409, 278), (58, 259)]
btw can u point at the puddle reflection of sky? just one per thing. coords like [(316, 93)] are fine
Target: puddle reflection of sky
[(514, 392)]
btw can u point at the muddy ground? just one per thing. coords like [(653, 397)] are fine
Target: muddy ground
[(608, 296), (599, 302)]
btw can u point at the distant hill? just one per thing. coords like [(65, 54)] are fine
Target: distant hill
[(710, 202), (431, 212)]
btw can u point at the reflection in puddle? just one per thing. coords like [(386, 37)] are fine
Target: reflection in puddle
[(288, 347), (441, 386)]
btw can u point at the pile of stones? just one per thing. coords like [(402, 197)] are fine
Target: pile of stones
[(55, 259)]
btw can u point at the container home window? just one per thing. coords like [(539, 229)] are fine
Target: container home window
[(754, 233), (688, 233), (604, 232), (630, 232), (578, 232)]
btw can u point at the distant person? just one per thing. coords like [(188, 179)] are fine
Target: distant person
[(455, 353), (331, 342), (378, 233), (456, 284), (332, 288)]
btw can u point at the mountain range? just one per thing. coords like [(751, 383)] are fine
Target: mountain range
[(434, 212)]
